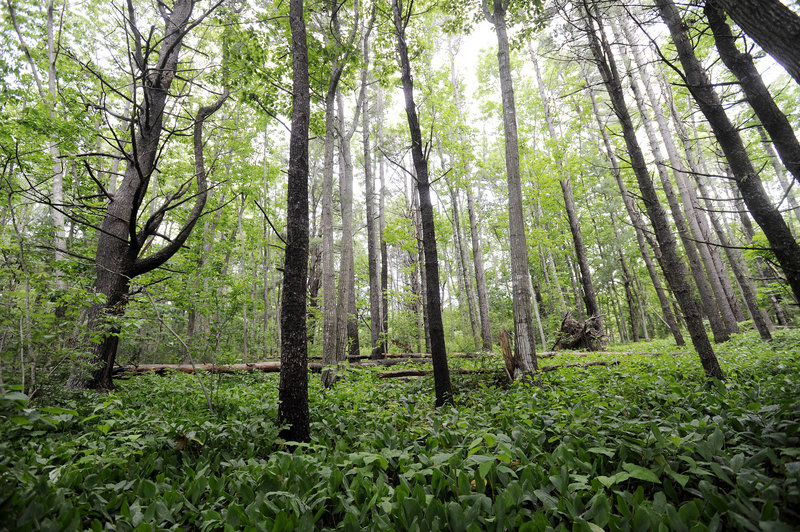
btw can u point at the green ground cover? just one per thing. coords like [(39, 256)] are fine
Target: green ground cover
[(646, 444)]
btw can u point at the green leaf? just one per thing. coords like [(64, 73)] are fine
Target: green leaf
[(716, 441), (602, 450), (677, 477), (641, 473), (616, 478)]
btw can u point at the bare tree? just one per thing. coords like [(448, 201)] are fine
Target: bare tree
[(122, 241)]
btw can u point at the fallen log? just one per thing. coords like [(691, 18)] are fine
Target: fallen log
[(424, 372), (267, 367), (428, 355), (580, 365), (388, 362)]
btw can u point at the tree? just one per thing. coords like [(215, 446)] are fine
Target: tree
[(524, 334), (293, 386), (372, 221), (333, 319), (50, 99), (441, 373), (672, 265), (782, 242), (475, 237), (773, 25), (121, 241), (741, 64), (711, 295)]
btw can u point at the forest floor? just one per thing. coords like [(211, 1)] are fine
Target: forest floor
[(644, 444)]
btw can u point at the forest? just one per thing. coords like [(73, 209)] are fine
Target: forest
[(399, 265)]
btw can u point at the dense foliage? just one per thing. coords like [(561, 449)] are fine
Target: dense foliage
[(645, 444)]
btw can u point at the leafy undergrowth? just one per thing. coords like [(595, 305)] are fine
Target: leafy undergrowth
[(646, 444)]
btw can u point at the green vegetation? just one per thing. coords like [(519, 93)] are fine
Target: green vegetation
[(645, 444)]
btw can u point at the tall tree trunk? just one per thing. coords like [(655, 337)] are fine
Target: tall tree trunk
[(346, 281), (638, 225), (782, 242), (49, 98), (420, 238), (372, 221), (480, 275), (267, 243), (741, 64), (589, 299), (760, 320), (627, 281), (245, 268), (382, 231), (293, 386), (774, 26), (57, 209), (696, 218), (334, 312), (712, 298), (524, 335), (441, 373), (462, 262), (735, 257), (674, 269), (314, 285), (642, 299), (329, 322), (477, 249)]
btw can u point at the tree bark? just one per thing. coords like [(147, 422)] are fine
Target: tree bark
[(334, 304), (424, 331), (782, 242), (627, 281), (329, 322), (698, 224), (441, 373), (480, 274), (524, 334), (673, 267), (774, 26), (382, 231), (760, 320), (293, 386), (735, 257)]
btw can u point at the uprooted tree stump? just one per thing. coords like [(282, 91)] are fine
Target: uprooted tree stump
[(573, 334)]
